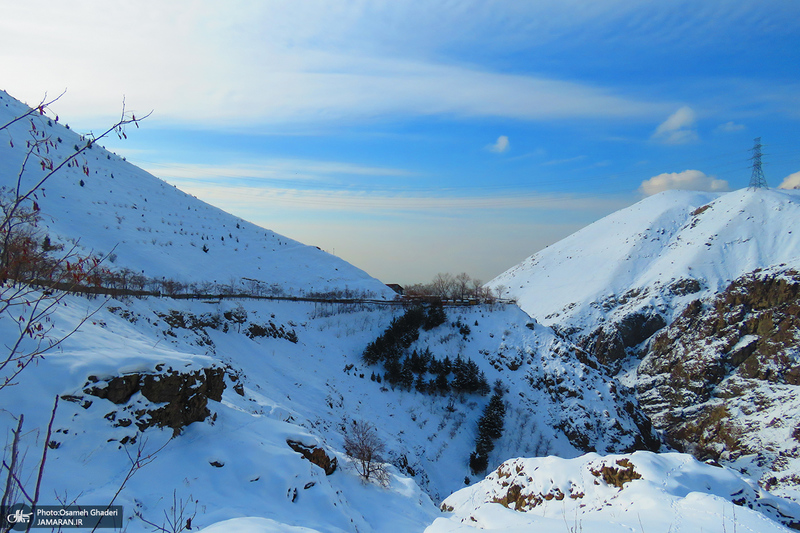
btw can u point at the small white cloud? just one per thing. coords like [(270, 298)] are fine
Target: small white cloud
[(792, 181), (678, 128), (693, 180), (500, 146), (730, 127)]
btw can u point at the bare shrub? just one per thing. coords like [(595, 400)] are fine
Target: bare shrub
[(362, 444)]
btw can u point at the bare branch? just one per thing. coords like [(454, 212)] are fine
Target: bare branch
[(45, 447), (362, 444), (9, 490), (43, 106), (137, 463)]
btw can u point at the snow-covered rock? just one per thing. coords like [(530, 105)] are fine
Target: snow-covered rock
[(638, 492)]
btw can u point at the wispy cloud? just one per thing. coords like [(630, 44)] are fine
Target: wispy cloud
[(693, 180), (248, 62), (215, 67), (271, 169), (364, 201), (678, 128), (575, 159), (730, 127), (500, 146)]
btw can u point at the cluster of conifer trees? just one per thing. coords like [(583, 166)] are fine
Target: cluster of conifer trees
[(422, 371), (490, 427)]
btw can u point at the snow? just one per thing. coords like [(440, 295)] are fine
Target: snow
[(652, 244), (154, 229), (674, 492), (255, 525), (235, 469)]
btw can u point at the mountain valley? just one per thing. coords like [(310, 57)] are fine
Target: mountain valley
[(220, 388)]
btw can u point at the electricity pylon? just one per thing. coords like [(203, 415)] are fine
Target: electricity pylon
[(757, 180)]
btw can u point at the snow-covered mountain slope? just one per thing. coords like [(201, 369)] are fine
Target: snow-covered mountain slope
[(152, 228), (232, 411), (237, 462), (140, 364), (661, 253), (691, 298), (638, 492)]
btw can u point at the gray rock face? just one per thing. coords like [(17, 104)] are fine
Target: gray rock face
[(181, 398), (722, 380)]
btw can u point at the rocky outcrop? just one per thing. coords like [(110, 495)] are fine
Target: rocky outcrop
[(616, 424), (178, 399), (315, 455), (722, 380), (612, 342)]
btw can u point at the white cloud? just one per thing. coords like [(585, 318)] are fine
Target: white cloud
[(693, 180), (792, 181), (678, 128), (730, 127), (500, 146)]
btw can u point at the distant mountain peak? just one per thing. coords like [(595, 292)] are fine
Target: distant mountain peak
[(708, 237)]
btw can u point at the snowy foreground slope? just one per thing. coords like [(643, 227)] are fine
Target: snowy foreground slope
[(152, 228), (278, 390), (221, 398), (637, 492)]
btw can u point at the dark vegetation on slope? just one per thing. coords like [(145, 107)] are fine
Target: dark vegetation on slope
[(423, 371), (490, 428)]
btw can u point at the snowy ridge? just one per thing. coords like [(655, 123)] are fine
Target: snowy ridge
[(668, 237), (638, 492), (156, 230)]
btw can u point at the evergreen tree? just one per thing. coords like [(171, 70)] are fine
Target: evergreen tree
[(434, 367), (406, 375), (447, 366), (393, 370), (459, 376), (425, 359), (493, 416), (490, 427), (442, 386), (418, 363), (478, 463), (421, 385), (434, 317)]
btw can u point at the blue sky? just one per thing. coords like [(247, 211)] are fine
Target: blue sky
[(412, 138)]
